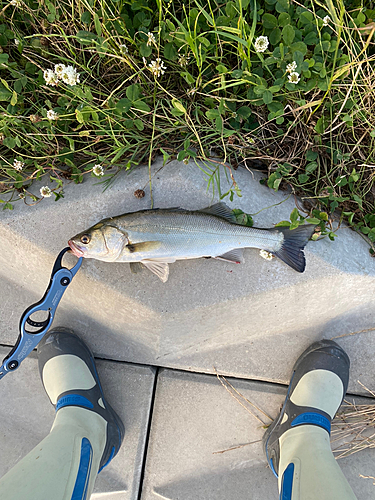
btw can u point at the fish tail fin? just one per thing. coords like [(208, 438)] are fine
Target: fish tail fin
[(295, 240)]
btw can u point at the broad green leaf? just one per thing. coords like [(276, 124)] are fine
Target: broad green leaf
[(284, 19), (86, 17), (244, 112), (18, 86), (212, 114), (321, 125), (170, 51), (79, 116), (145, 50), (275, 106), (139, 124), (298, 57), (98, 26), (5, 95), (178, 105), (9, 142), (142, 106), (288, 34), (311, 39), (269, 21), (133, 92), (282, 6), (188, 77), (310, 167), (283, 223), (275, 36), (294, 215), (123, 105), (313, 220), (220, 68), (267, 97), (300, 46), (5, 83), (86, 37)]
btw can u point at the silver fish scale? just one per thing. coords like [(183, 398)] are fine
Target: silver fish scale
[(188, 235)]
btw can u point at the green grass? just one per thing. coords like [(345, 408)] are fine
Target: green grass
[(218, 95)]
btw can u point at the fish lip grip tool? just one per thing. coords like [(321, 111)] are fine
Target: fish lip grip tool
[(27, 340)]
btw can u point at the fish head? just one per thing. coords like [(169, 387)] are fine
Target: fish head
[(102, 242)]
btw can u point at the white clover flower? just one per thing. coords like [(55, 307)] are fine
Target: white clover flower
[(18, 165), (157, 67), (150, 39), (183, 60), (15, 3), (291, 67), (59, 68), (16, 42), (70, 76), (50, 77), (98, 170), (266, 255), (45, 192), (326, 20), (124, 48), (294, 77), (261, 44), (51, 115)]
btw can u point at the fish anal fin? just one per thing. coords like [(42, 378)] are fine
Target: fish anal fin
[(220, 210), (143, 246), (235, 256), (158, 267)]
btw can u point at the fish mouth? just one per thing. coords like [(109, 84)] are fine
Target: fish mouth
[(75, 249)]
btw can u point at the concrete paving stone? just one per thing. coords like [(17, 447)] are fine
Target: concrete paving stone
[(26, 417), (248, 320), (195, 420)]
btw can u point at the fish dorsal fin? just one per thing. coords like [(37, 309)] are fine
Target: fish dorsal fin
[(235, 256), (158, 267), (220, 210)]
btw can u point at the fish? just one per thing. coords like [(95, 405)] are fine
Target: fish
[(158, 237)]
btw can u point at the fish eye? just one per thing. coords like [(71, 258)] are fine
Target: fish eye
[(85, 239)]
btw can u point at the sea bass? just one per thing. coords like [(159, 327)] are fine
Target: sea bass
[(156, 238)]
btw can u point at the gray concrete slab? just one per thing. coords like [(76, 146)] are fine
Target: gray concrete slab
[(195, 420), (26, 417), (249, 321)]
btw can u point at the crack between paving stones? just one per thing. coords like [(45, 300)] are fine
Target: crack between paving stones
[(158, 368), (148, 433)]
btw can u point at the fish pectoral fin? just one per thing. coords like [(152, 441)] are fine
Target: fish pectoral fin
[(143, 246), (220, 210), (235, 255), (136, 267), (159, 267)]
